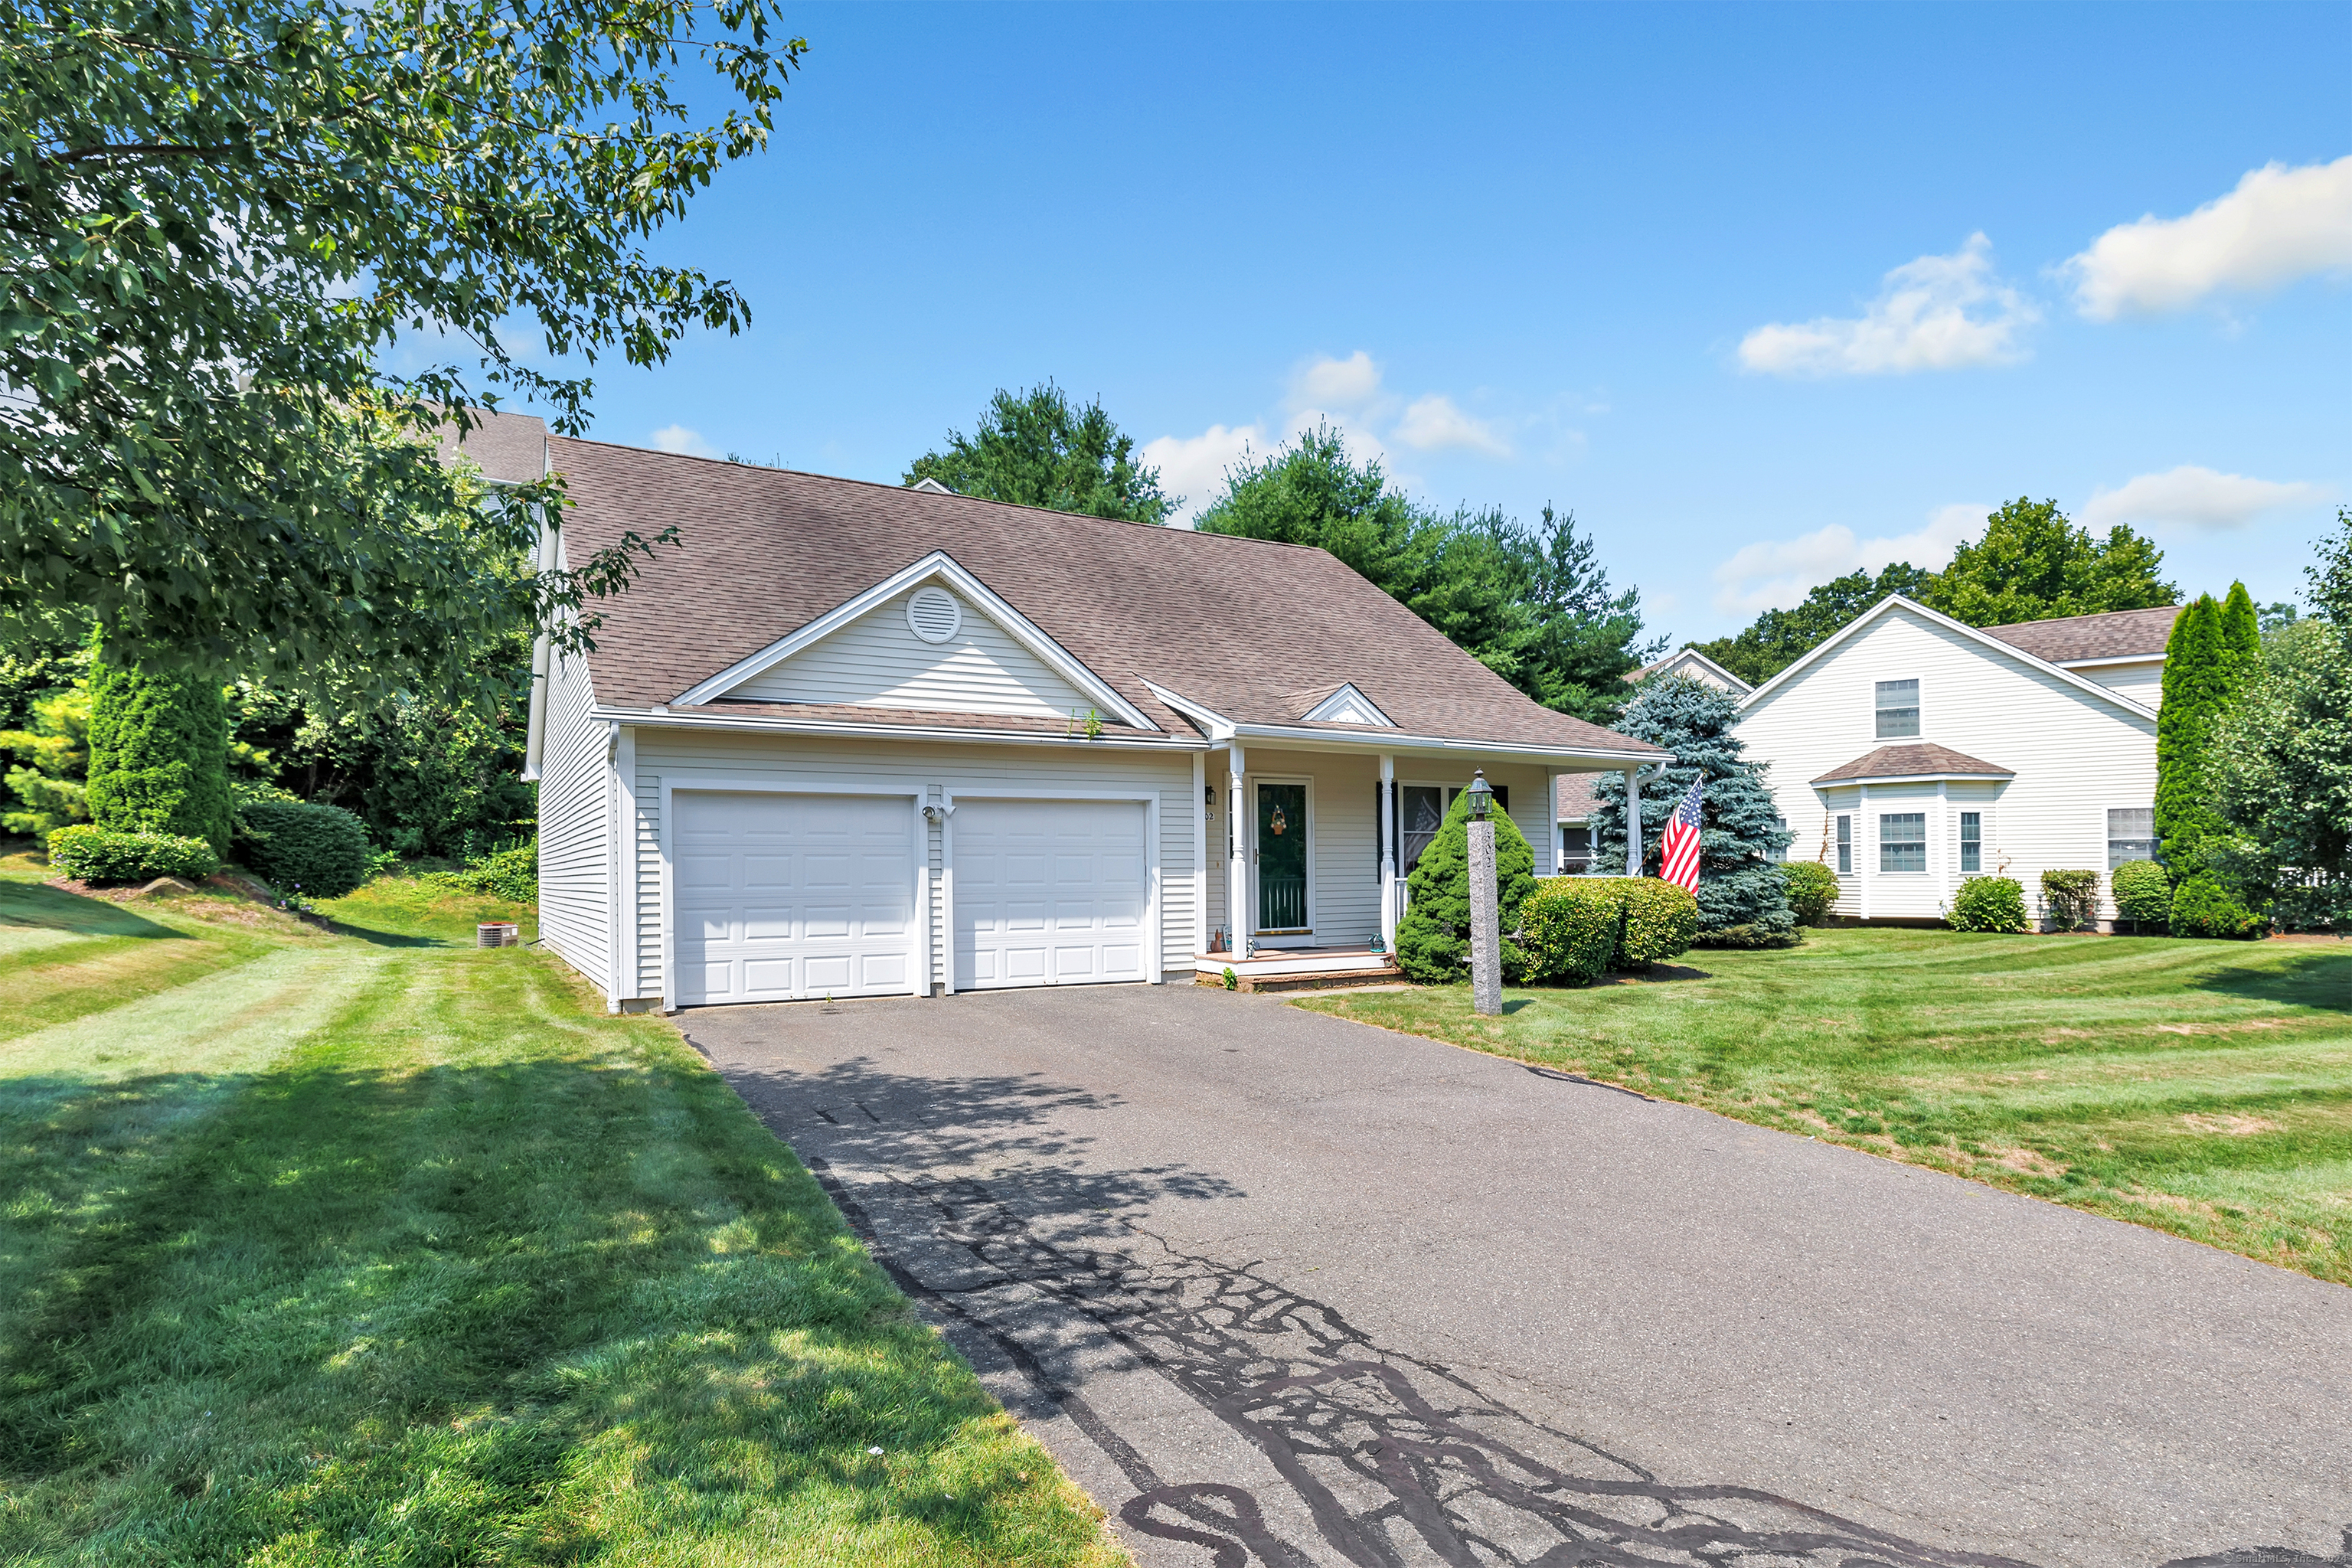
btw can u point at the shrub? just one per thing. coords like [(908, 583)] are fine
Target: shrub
[(159, 755), (1988, 904), (2201, 906), (2143, 892), (320, 849), (102, 855), (1661, 921), (1812, 889), (2070, 900), (1433, 945), (511, 874), (1569, 929)]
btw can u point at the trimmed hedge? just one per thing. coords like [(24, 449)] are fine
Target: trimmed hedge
[(1812, 889), (2143, 890), (1644, 920), (2070, 900), (97, 854), (321, 850), (1988, 904), (2201, 906), (1569, 929)]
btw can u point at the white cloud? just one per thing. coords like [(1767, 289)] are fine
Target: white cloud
[(2193, 497), (1920, 321), (686, 443), (1351, 383), (1778, 572), (1193, 467), (1432, 423), (2279, 224)]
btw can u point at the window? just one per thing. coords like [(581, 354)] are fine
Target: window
[(1575, 850), (1780, 850), (1845, 846), (1420, 813), (2131, 835), (1902, 841), (1898, 708), (1971, 842)]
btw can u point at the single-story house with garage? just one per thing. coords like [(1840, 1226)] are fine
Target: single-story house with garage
[(1910, 752), (849, 739)]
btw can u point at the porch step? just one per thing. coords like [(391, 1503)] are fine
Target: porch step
[(1320, 980)]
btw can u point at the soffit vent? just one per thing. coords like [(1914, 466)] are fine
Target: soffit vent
[(933, 614)]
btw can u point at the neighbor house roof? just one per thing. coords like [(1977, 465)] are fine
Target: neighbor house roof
[(1682, 660), (1573, 798), (1252, 630), (1917, 762), (2117, 634)]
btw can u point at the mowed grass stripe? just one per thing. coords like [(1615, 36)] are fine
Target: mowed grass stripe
[(472, 1272), (2202, 1087)]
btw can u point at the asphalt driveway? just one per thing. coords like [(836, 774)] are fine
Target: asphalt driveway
[(1280, 1288)]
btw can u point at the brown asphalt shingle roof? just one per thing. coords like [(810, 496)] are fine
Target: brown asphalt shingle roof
[(2118, 633), (509, 447), (1246, 626), (1914, 762), (1573, 800)]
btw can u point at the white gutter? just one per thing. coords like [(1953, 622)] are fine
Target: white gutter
[(704, 719)]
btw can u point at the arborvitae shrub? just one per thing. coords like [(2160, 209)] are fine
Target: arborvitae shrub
[(1433, 945), (1988, 904), (159, 755), (2143, 892), (2070, 900), (321, 849), (2201, 906), (1812, 889), (97, 854)]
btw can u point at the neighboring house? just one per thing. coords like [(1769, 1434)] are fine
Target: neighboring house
[(1573, 806), (1909, 751), (852, 738), (1689, 661)]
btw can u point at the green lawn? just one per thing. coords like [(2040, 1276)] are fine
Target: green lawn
[(2202, 1088), (375, 1247)]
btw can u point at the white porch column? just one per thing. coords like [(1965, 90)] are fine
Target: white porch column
[(1632, 822), (1551, 823), (1943, 854), (1388, 851), (1863, 845), (1200, 854), (1237, 877)]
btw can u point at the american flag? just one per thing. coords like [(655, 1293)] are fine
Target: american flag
[(1678, 853)]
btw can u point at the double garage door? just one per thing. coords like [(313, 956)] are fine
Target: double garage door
[(781, 897)]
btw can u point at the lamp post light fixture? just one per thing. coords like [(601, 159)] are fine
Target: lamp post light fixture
[(1486, 926)]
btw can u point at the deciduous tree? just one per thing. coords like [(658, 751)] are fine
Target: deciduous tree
[(1778, 638), (1037, 449), (2033, 564)]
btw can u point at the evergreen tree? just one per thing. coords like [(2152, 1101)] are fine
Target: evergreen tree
[(158, 754), (1432, 943), (2242, 638), (1743, 899), (1037, 449), (2196, 690)]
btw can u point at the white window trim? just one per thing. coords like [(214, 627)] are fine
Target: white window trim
[(1926, 841), (1919, 704)]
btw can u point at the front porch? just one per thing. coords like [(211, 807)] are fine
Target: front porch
[(1297, 968)]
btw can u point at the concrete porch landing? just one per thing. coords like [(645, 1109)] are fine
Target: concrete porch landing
[(1297, 968)]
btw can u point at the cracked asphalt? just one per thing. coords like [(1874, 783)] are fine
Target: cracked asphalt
[(1279, 1289)]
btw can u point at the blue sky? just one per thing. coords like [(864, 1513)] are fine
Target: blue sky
[(1760, 293)]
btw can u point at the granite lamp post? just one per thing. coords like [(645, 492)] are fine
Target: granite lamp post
[(1485, 933)]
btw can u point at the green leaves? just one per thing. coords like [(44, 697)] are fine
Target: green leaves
[(2034, 564), (1036, 448), (221, 219)]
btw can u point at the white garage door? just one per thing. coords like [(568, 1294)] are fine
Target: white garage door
[(786, 896), (1049, 892)]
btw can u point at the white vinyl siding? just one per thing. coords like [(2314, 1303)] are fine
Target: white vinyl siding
[(2073, 753), (574, 813), (878, 661), (2142, 682), (930, 769)]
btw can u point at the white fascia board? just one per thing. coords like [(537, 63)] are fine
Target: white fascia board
[(1398, 740), (1912, 778), (1686, 654), (1219, 727), (2112, 658), (1989, 643), (674, 718), (940, 564)]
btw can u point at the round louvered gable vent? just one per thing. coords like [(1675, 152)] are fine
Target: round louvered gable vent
[(933, 614)]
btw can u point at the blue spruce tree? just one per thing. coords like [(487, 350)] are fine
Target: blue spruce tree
[(1742, 900)]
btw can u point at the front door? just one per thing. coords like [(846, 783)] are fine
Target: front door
[(1282, 858)]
